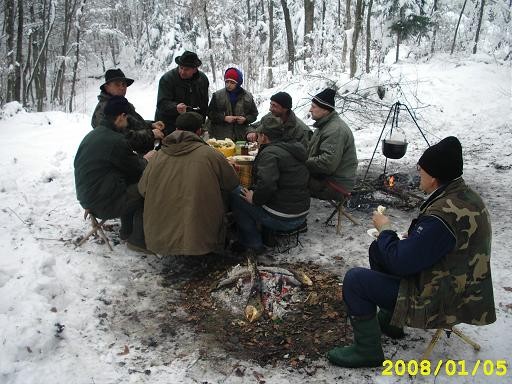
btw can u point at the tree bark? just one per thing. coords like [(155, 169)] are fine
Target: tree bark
[(477, 35), (309, 17), (19, 53), (435, 18), (358, 19), (9, 37), (210, 45), (77, 54), (289, 36), (368, 36), (457, 28), (347, 26), (270, 53)]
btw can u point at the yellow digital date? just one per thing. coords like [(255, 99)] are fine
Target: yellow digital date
[(449, 367)]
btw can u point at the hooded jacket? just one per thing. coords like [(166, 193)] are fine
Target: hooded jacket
[(183, 187)]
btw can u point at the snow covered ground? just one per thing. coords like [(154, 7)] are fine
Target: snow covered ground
[(88, 316)]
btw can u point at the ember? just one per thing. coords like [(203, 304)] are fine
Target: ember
[(391, 181)]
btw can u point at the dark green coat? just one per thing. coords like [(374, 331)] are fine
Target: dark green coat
[(458, 288), (280, 180), (139, 132), (220, 106), (104, 167), (172, 90), (332, 152)]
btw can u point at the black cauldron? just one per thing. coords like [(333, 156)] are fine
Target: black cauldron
[(394, 149)]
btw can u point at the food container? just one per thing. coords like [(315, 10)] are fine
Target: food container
[(394, 149), (244, 169), (226, 146)]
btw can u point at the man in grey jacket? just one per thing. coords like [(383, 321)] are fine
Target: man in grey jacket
[(331, 151)]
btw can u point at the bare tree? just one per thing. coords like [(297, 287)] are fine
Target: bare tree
[(457, 27), (358, 20), (210, 46), (480, 16), (347, 26), (9, 16), (309, 17), (289, 36), (368, 36), (19, 53), (435, 26), (270, 53), (77, 53)]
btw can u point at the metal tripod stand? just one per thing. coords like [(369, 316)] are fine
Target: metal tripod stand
[(395, 110)]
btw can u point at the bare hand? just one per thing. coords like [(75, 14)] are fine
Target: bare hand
[(158, 134), (181, 108), (158, 125), (246, 194), (380, 221), (150, 154), (229, 119), (240, 119), (252, 137)]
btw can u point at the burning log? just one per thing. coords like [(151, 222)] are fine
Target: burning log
[(254, 308)]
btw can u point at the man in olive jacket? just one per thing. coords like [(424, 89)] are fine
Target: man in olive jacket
[(278, 198), (107, 170), (182, 89), (331, 152), (437, 277), (141, 134), (231, 109), (183, 187)]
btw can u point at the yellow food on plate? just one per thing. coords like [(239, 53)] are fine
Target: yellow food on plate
[(226, 146)]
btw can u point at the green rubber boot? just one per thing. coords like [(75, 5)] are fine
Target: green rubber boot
[(366, 350), (384, 318)]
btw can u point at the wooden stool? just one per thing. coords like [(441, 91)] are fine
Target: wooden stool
[(97, 228), (339, 205), (437, 336)]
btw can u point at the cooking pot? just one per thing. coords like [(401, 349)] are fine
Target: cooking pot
[(394, 149)]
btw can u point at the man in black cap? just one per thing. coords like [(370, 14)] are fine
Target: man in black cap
[(184, 188), (438, 276), (107, 170), (141, 134), (331, 151), (278, 198), (182, 89), (294, 128)]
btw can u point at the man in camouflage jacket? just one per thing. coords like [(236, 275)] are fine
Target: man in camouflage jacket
[(437, 277)]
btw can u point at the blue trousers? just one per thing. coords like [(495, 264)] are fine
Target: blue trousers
[(364, 289), (248, 216)]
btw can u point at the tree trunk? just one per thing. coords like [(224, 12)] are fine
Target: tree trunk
[(358, 19), (457, 28), (77, 54), (9, 37), (368, 36), (477, 35), (210, 45), (289, 36), (435, 18), (309, 17), (397, 55), (347, 26), (270, 53), (323, 27), (19, 53)]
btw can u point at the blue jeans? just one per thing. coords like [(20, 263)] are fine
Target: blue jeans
[(248, 216), (364, 289)]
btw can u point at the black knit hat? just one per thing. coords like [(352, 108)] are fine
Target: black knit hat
[(188, 59), (325, 99), (115, 74), (116, 105), (283, 99), (443, 160), (272, 127), (189, 121)]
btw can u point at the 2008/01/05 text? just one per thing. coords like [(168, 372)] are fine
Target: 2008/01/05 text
[(450, 367)]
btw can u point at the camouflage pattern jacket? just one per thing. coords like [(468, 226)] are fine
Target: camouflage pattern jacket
[(220, 106), (139, 132), (458, 287)]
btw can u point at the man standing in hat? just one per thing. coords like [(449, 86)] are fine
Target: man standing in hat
[(141, 134), (231, 109), (182, 89), (331, 151), (437, 277), (107, 170), (278, 198), (294, 128), (183, 187)]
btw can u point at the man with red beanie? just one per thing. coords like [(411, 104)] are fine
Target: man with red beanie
[(437, 277), (231, 109)]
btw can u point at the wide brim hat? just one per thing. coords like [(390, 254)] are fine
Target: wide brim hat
[(188, 59), (113, 75)]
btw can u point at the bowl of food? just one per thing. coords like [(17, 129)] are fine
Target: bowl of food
[(227, 147)]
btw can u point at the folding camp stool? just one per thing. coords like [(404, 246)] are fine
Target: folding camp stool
[(97, 229), (283, 241), (448, 332), (339, 205)]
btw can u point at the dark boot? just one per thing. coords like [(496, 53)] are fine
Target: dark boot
[(384, 318), (366, 350)]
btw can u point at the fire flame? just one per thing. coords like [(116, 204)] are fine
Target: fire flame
[(391, 181)]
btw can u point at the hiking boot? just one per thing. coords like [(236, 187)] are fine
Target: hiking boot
[(384, 318)]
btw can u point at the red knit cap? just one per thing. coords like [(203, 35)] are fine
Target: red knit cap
[(231, 74)]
